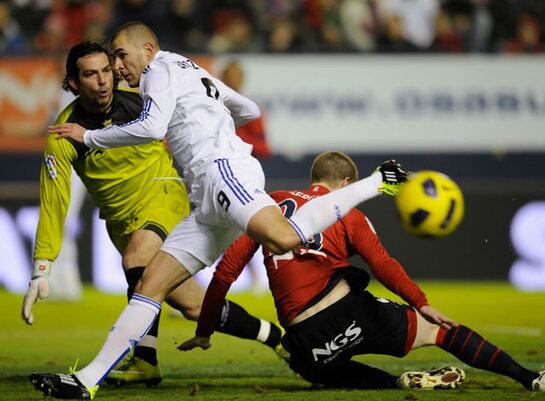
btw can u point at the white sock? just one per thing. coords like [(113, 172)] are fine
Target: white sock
[(320, 213), (133, 323), (264, 331)]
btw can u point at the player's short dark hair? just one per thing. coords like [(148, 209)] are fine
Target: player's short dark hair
[(78, 51), (333, 167), (136, 29)]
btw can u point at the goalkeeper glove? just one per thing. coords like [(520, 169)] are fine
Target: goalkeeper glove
[(393, 177), (38, 287)]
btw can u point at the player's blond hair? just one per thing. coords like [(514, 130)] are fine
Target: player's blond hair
[(333, 167), (136, 32)]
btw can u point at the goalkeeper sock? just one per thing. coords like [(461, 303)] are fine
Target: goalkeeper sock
[(236, 321), (474, 350), (147, 347), (133, 323), (320, 213)]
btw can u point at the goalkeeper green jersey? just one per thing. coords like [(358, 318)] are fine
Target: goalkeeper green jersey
[(121, 181)]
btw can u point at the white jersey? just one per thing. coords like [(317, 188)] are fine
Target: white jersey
[(195, 111)]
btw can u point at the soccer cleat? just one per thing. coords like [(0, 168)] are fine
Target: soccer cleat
[(539, 383), (393, 177), (282, 353), (62, 386), (439, 379), (135, 370)]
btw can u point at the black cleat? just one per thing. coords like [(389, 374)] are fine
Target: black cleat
[(393, 177), (62, 386)]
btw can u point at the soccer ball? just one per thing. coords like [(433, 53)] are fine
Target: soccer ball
[(430, 204)]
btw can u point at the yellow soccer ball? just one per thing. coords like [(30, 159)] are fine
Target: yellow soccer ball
[(430, 204)]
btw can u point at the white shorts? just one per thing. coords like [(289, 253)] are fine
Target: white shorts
[(226, 196)]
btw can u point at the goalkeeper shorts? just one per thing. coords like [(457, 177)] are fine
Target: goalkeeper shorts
[(168, 205)]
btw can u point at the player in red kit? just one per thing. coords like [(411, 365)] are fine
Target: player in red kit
[(328, 315)]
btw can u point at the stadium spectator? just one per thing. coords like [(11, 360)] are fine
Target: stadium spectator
[(12, 40), (416, 19), (233, 33), (226, 187), (328, 315), (393, 40), (482, 26), (361, 23), (30, 14), (281, 26), (151, 12), (65, 26), (323, 19), (446, 39), (528, 36), (283, 36), (139, 194), (186, 26)]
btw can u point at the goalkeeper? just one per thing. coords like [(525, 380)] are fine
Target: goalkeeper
[(139, 194)]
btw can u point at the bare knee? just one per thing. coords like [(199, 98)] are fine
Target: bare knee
[(142, 246), (272, 230), (132, 259), (426, 332), (161, 276), (188, 299), (190, 311)]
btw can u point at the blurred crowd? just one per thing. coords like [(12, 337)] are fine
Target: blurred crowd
[(282, 26)]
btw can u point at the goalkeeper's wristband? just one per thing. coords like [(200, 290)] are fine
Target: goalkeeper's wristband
[(42, 268)]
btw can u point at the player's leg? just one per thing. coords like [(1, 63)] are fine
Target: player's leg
[(141, 247), (234, 319), (138, 250), (351, 374), (138, 238), (472, 349), (268, 228), (161, 276)]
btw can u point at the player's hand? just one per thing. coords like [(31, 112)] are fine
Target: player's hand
[(393, 177), (432, 315), (38, 287), (68, 130), (202, 342)]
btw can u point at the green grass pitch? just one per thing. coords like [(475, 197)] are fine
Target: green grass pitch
[(244, 370)]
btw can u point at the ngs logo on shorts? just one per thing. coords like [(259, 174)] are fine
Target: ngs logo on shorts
[(340, 343)]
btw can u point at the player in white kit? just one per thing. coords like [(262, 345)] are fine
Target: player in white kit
[(197, 114)]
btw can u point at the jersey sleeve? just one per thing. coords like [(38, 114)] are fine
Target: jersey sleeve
[(388, 271), (55, 173), (158, 91), (243, 110), (227, 271)]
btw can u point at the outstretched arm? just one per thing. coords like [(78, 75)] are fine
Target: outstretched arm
[(389, 271), (227, 271)]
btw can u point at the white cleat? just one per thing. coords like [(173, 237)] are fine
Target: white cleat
[(539, 383), (440, 379)]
